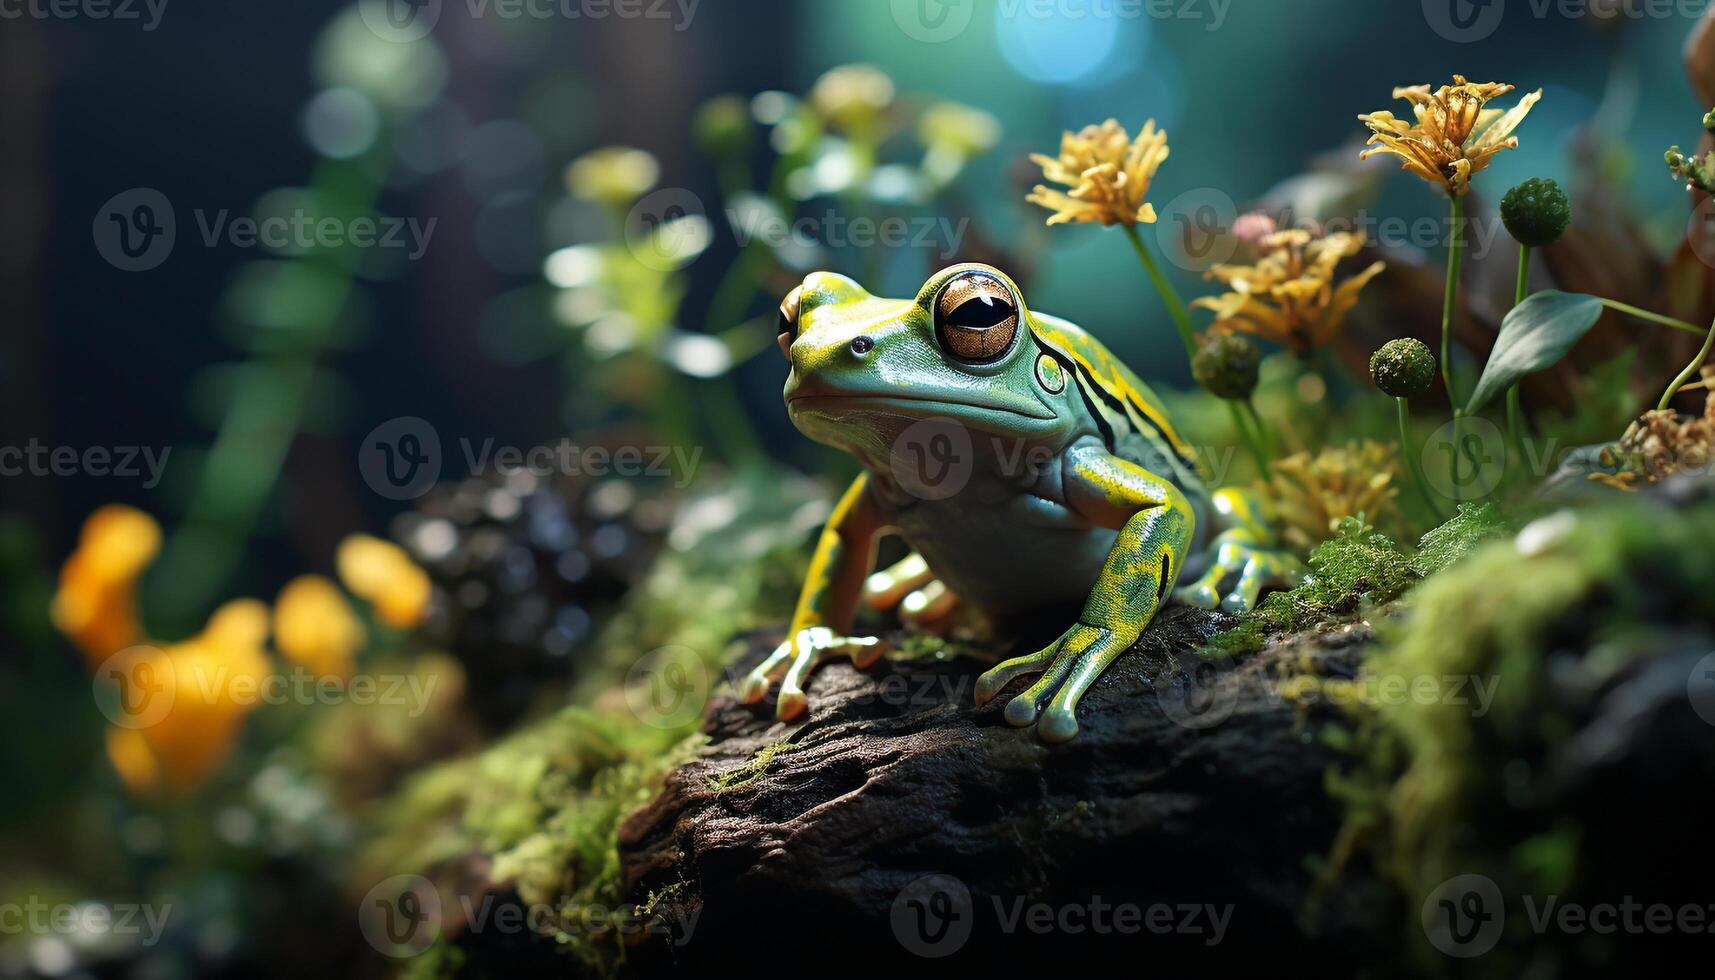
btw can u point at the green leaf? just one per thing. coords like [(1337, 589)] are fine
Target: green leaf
[(1536, 334)]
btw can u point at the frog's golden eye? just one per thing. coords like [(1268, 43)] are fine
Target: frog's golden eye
[(788, 330), (975, 317)]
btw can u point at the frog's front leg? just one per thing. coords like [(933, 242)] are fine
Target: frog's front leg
[(1156, 525), (827, 605), (1247, 552)]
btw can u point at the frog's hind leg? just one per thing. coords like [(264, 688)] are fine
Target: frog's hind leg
[(911, 588), (1247, 553)]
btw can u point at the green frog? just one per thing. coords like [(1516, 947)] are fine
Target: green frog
[(1024, 465)]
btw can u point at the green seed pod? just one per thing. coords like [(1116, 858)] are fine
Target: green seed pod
[(1227, 366), (1536, 212), (1403, 368)]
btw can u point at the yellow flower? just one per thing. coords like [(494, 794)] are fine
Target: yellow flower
[(1454, 135), (1289, 296), (852, 97), (1313, 494), (381, 573), (1108, 173), (613, 175), (315, 628), (213, 680), (96, 605)]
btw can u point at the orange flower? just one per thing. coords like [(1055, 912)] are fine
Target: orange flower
[(381, 573), (187, 702), (1289, 296), (96, 605), (1108, 173), (1454, 135), (315, 628)]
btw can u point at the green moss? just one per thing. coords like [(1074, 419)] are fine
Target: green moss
[(750, 771), (1547, 621), (1358, 570), (544, 804)]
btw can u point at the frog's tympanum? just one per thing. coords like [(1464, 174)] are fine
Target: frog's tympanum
[(1026, 467)]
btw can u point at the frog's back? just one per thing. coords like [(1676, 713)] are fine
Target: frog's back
[(1133, 419)]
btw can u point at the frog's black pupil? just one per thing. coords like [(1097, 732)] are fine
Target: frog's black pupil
[(980, 313)]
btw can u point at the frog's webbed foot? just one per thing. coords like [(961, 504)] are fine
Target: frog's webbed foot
[(913, 590), (1068, 667), (796, 657), (1250, 565)]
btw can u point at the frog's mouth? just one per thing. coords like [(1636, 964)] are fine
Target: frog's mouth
[(903, 404)]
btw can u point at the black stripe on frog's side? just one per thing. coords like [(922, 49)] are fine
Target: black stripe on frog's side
[(1110, 441), (1133, 416)]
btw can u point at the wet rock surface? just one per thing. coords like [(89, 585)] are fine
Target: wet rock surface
[(899, 823)]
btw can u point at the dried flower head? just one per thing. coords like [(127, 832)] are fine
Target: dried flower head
[(1660, 444), (1313, 494), (1454, 135), (1289, 295), (1109, 174)]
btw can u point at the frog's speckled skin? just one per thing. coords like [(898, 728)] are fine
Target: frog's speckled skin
[(1046, 474)]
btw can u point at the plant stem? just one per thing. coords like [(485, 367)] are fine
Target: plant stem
[(1666, 321), (1408, 451), (1244, 416), (1456, 213), (1175, 307), (1690, 369), (1515, 408)]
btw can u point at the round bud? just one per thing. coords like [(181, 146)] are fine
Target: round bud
[(1226, 365), (1403, 368), (1536, 212)]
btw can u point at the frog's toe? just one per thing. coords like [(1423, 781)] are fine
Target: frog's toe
[(759, 680), (928, 605), (1263, 569), (1199, 594), (1058, 725), (886, 589)]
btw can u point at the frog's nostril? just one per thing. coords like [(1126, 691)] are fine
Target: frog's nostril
[(862, 345)]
